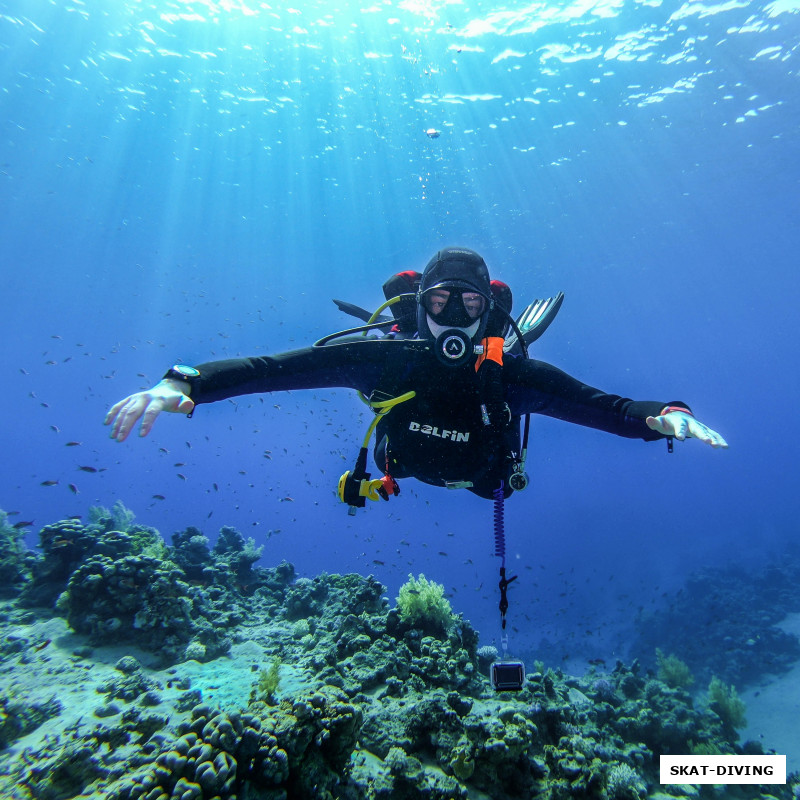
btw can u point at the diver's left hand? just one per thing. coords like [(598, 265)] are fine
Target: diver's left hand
[(684, 426)]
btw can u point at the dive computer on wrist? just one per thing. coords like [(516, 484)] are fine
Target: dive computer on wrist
[(180, 372)]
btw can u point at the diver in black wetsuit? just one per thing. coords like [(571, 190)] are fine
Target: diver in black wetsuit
[(456, 390)]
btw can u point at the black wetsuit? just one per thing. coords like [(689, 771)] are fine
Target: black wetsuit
[(438, 436)]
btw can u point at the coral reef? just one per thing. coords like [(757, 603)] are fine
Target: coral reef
[(140, 599), (115, 580), (64, 546), (299, 749), (487, 655), (349, 699), (19, 715), (735, 613), (15, 560)]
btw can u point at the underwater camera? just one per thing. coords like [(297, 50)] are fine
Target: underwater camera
[(507, 676)]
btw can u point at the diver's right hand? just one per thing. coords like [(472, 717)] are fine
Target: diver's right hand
[(168, 395)]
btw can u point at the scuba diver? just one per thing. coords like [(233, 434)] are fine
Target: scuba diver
[(449, 380)]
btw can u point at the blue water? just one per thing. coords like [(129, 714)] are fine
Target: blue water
[(184, 181)]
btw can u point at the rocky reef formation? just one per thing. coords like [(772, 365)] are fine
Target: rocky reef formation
[(15, 559), (117, 581), (299, 749), (735, 613), (349, 697)]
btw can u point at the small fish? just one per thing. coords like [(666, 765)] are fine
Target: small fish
[(159, 497), (378, 562), (163, 450), (48, 483), (73, 488), (42, 645), (25, 524), (181, 476), (287, 499), (73, 444), (88, 469), (55, 428), (179, 464)]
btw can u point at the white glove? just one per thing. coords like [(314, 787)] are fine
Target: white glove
[(684, 426), (167, 395)]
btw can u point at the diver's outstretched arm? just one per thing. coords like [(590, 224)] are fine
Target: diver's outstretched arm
[(354, 365), (684, 426), (167, 395)]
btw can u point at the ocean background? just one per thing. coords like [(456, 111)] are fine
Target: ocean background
[(187, 181)]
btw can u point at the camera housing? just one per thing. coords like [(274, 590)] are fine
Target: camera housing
[(507, 676)]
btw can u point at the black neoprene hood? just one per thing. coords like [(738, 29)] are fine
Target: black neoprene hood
[(458, 268)]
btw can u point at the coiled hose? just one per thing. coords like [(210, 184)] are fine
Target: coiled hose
[(499, 524)]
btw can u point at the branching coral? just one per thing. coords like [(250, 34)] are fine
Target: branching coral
[(624, 783)]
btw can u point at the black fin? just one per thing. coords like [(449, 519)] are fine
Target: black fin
[(358, 312)]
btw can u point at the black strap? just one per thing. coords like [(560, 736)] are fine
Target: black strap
[(504, 584)]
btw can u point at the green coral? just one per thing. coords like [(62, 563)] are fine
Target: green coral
[(725, 702), (267, 684), (421, 604), (147, 541), (705, 749), (672, 671), (463, 764)]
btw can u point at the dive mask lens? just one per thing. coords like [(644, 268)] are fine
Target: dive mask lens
[(454, 308)]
